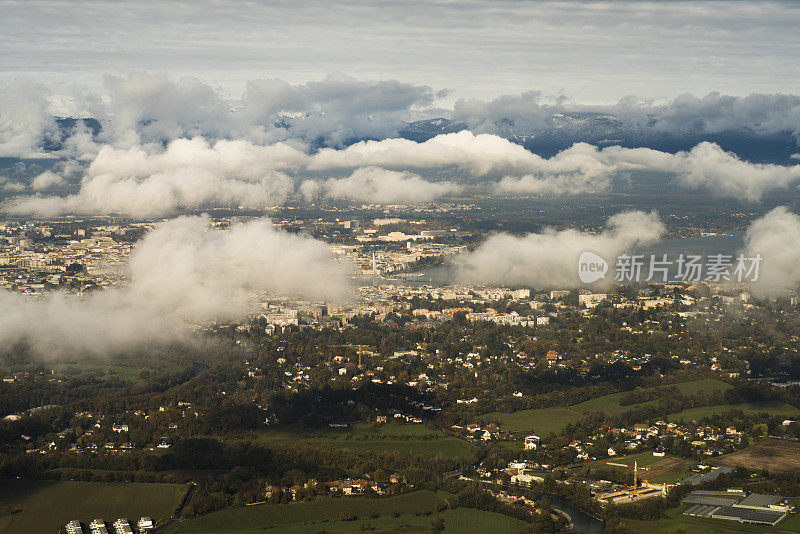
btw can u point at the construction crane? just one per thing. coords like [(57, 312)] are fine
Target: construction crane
[(359, 348)]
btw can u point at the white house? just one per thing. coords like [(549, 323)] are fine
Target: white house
[(531, 442)]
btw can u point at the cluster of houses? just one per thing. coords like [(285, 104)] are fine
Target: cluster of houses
[(400, 417), (708, 440), (477, 432), (434, 372), (336, 487), (98, 434)]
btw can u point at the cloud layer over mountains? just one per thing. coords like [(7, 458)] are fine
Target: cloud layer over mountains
[(532, 112), (151, 108), (162, 146), (143, 108), (183, 271)]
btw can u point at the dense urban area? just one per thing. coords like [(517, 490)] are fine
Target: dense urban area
[(418, 406)]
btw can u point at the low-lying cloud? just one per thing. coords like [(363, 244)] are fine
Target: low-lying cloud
[(709, 167), (378, 186), (190, 174), (182, 272), (578, 169), (480, 155), (47, 180), (206, 274), (193, 174), (775, 237), (550, 259), (145, 108)]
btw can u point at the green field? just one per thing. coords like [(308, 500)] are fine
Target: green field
[(447, 447), (772, 408), (459, 521), (127, 369), (356, 431), (315, 515), (392, 437), (700, 525), (406, 523), (44, 506), (660, 470), (642, 459), (543, 421), (467, 521)]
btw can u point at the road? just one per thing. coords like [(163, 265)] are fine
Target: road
[(178, 514)]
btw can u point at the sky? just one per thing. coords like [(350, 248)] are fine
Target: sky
[(594, 52)]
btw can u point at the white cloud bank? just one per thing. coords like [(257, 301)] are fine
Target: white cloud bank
[(706, 166), (208, 274), (775, 237), (148, 108), (47, 180), (550, 259), (181, 271), (24, 119), (276, 126), (10, 186), (192, 174), (709, 167), (144, 108), (381, 186), (531, 112), (578, 169), (479, 154)]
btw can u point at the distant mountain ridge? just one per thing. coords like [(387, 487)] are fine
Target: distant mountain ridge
[(559, 133), (604, 130)]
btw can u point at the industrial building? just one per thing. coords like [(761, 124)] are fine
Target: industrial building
[(733, 505)]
